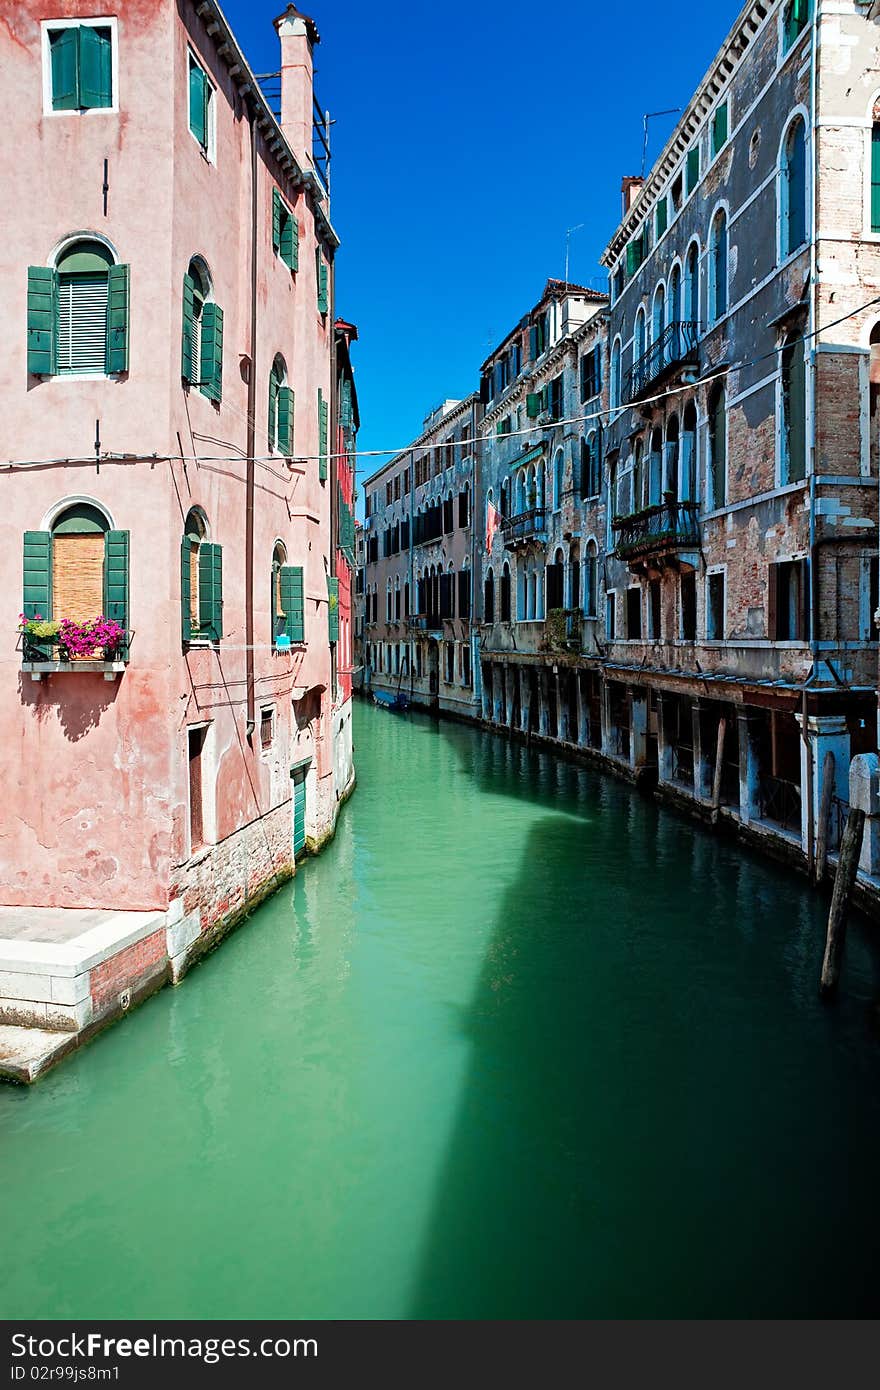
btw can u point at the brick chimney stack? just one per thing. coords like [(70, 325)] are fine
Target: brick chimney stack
[(630, 189), (298, 36)]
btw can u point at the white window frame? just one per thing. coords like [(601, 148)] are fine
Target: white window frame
[(714, 570), (210, 154), (51, 26)]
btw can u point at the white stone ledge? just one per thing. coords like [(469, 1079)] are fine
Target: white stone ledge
[(76, 957)]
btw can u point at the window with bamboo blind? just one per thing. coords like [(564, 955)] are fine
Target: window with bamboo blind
[(78, 576)]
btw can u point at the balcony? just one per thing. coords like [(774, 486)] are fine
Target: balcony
[(424, 622), (676, 347), (42, 656), (528, 526), (656, 531)]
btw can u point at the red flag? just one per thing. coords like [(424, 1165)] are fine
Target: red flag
[(493, 520)]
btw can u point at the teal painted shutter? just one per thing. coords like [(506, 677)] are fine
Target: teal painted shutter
[(198, 123), (875, 179), (276, 220), (116, 545), (186, 355), (345, 409), (41, 309), (65, 69), (117, 319), (293, 602), (291, 232), (299, 813), (321, 267), (272, 417), (693, 168), (212, 351), (719, 128), (285, 419), (333, 607), (322, 435), (185, 590), (37, 575), (533, 405), (211, 591), (95, 66)]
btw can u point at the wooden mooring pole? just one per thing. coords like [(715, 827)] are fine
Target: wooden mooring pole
[(844, 882), (719, 769), (824, 816)]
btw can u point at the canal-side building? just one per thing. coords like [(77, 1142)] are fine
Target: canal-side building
[(343, 467), (420, 562), (740, 454), (167, 389), (359, 603), (542, 506)]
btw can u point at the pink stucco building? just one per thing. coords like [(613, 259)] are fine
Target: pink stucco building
[(169, 398)]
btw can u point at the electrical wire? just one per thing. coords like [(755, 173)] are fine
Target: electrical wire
[(352, 454)]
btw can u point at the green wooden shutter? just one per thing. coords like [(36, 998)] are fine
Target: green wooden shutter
[(875, 179), (323, 424), (290, 242), (116, 546), (693, 168), (117, 319), (322, 277), (285, 420), (272, 417), (211, 372), (276, 220), (533, 405), (186, 355), (198, 104), (211, 591), (299, 813), (37, 575), (719, 128), (662, 217), (65, 69), (293, 602), (333, 607), (41, 315), (345, 408), (95, 66), (185, 590)]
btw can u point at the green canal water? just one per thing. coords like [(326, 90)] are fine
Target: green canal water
[(519, 1044)]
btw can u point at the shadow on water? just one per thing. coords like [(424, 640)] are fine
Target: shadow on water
[(658, 1117)]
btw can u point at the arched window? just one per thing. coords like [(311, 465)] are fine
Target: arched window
[(388, 602), (201, 581), (655, 470), (691, 304), (718, 266), (556, 582), (558, 478), (574, 576), (280, 409), (874, 210), (670, 462), (658, 314), (639, 343), (397, 599), (78, 566), (505, 498), (688, 467), (505, 593), (591, 580), (279, 560), (675, 294), (615, 375), (794, 409), (538, 484), (717, 445), (82, 341), (793, 188), (406, 599), (638, 477), (489, 597), (591, 473), (520, 492)]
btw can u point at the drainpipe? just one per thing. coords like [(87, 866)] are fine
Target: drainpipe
[(812, 578), (251, 437)]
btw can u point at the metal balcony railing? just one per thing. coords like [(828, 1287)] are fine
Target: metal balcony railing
[(524, 527), (665, 526), (780, 801), (417, 622), (676, 345)]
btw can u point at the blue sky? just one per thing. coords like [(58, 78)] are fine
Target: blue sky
[(468, 139)]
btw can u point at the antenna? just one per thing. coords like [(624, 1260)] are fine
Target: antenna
[(568, 233), (650, 116)]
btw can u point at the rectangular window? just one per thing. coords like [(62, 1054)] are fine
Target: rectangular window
[(635, 253), (794, 20), (788, 602), (285, 232), (688, 600), (554, 398), (266, 721), (676, 194), (634, 614), (611, 617), (80, 66), (654, 610), (201, 105), (661, 216), (719, 129), (195, 748), (618, 281), (715, 608), (692, 169), (322, 276)]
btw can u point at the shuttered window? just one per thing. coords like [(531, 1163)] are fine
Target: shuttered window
[(692, 172), (323, 434), (875, 177), (719, 129), (81, 67), (285, 232), (291, 618), (201, 357), (82, 323), (79, 570), (201, 99), (323, 281), (333, 607), (795, 19)]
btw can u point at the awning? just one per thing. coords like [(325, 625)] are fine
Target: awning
[(528, 457)]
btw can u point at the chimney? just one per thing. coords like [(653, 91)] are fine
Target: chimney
[(630, 189), (298, 37)]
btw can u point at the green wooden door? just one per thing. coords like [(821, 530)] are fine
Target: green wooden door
[(299, 813)]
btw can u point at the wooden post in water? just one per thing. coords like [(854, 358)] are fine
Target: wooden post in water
[(719, 768), (847, 868), (824, 815)]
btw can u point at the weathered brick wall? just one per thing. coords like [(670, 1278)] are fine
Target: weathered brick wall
[(220, 884), (125, 970)]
